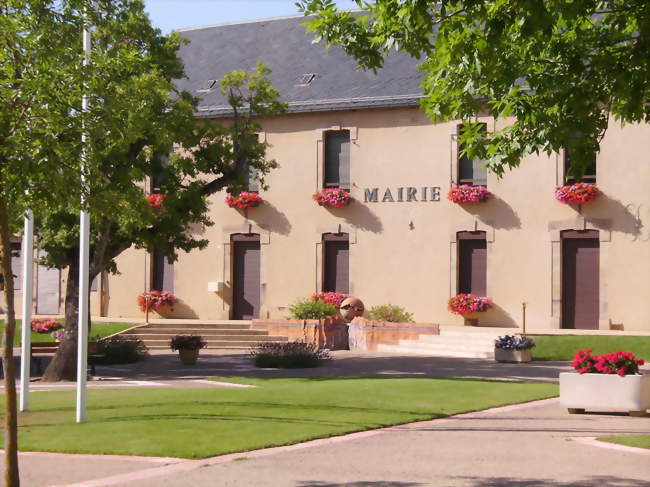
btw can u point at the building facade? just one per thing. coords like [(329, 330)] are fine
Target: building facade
[(400, 240)]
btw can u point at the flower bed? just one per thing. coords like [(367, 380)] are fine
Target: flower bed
[(244, 200), (465, 304), (330, 298), (334, 197), (45, 325), (155, 300), (465, 193), (156, 200), (578, 193), (621, 363)]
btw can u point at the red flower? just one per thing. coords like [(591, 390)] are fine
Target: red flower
[(465, 193), (464, 304), (334, 197), (156, 199), (244, 200), (621, 363), (577, 193)]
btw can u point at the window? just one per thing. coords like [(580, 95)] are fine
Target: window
[(337, 159), (159, 177), (472, 263), (336, 262), (251, 180), (16, 267), (470, 171), (162, 272), (589, 175)]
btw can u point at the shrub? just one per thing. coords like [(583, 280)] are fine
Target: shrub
[(621, 363), (390, 312), (121, 349), (187, 342), (513, 342), (308, 309), (45, 325), (291, 355)]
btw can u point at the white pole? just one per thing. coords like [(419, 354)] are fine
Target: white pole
[(84, 260), (26, 338)]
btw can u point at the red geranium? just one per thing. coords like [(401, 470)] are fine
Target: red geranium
[(244, 200), (45, 325), (465, 193), (578, 193), (156, 299), (156, 199), (334, 197), (330, 298), (621, 363), (464, 304)]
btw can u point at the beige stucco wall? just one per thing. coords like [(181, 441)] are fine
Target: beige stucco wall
[(404, 252)]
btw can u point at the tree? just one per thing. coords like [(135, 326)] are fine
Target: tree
[(143, 130), (558, 70)]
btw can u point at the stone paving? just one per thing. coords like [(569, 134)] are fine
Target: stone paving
[(524, 445)]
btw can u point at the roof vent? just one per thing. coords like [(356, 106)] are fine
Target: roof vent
[(306, 79), (207, 86)]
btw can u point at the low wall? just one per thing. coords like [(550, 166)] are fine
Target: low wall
[(367, 335), (330, 334)]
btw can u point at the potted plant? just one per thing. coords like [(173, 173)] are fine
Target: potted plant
[(611, 381), (244, 200), (333, 197), (578, 193), (513, 349), (188, 347), (464, 193), (155, 300)]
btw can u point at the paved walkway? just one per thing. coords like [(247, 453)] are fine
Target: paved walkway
[(516, 446)]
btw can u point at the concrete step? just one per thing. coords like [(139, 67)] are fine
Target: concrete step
[(400, 349), (164, 344), (193, 331), (443, 347), (212, 338), (456, 340), (226, 325)]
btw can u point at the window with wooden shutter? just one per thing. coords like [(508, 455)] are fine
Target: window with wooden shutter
[(336, 262), (471, 172), (472, 263), (162, 278), (337, 159)]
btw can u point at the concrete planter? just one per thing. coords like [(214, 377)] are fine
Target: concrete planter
[(608, 392), (188, 357), (513, 356)]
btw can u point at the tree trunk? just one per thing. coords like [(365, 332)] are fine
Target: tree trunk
[(11, 476), (64, 363)]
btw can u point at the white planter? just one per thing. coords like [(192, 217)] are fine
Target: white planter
[(513, 356), (608, 392)]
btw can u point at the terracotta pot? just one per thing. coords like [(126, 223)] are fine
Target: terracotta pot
[(513, 356), (608, 392), (188, 357)]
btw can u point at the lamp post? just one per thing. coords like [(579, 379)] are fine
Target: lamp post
[(84, 255), (26, 336)]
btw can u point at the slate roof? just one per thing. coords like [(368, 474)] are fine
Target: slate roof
[(283, 45)]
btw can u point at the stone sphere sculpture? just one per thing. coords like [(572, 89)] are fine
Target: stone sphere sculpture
[(351, 307)]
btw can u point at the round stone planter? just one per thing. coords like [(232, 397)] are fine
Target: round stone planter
[(188, 357), (513, 356), (605, 392)]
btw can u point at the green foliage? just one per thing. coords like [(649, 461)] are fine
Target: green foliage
[(637, 441), (390, 312), (560, 68), (97, 332), (291, 355), (562, 347), (122, 350), (169, 422), (307, 309)]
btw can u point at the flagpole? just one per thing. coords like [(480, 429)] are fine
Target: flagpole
[(84, 255), (26, 335)]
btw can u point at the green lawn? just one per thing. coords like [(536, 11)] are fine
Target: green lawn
[(564, 347), (639, 441), (97, 331), (199, 423)]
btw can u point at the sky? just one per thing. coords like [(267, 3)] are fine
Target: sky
[(177, 14)]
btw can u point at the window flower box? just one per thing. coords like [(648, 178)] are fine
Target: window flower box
[(244, 200), (610, 381), (469, 304), (578, 193), (156, 300), (465, 193), (332, 197)]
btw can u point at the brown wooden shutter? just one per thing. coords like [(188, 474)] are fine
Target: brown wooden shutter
[(336, 262), (17, 265), (162, 278), (246, 278), (580, 279), (472, 263), (470, 171), (337, 159)]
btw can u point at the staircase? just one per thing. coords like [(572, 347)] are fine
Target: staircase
[(226, 334), (453, 341)]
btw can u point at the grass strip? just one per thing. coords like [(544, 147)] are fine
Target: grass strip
[(638, 441), (200, 423), (97, 331), (562, 347)]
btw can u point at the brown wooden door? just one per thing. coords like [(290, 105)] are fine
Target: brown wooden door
[(246, 277), (580, 279), (472, 263), (336, 262)]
